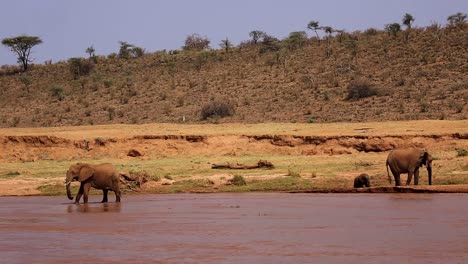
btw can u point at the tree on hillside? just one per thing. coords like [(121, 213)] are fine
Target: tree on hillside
[(393, 28), (196, 42), (256, 35), (91, 53), (329, 31), (226, 44), (407, 20), (457, 19), (296, 40), (127, 50), (22, 46), (269, 43), (314, 25)]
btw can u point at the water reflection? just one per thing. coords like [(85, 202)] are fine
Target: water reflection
[(94, 208), (397, 197)]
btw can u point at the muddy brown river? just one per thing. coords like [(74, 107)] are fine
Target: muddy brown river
[(237, 228)]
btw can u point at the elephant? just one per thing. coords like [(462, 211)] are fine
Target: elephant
[(102, 176), (408, 161), (362, 180)]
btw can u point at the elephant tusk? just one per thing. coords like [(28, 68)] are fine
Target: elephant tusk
[(68, 182)]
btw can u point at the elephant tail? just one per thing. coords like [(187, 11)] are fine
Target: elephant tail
[(388, 173)]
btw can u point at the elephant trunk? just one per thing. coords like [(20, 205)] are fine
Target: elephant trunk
[(68, 182), (68, 192), (429, 174)]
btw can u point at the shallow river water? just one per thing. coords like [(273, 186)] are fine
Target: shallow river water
[(237, 228)]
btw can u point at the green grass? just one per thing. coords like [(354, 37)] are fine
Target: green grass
[(462, 153), (291, 172), (10, 174)]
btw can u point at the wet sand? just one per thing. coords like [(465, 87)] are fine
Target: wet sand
[(237, 228)]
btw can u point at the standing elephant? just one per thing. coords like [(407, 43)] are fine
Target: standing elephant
[(409, 161), (103, 176), (362, 180)]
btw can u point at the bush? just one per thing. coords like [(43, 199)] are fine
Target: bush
[(196, 42), (462, 153), (80, 67), (269, 43), (216, 109), (393, 28), (127, 50), (457, 19), (371, 32), (57, 92), (238, 180), (296, 40), (360, 89)]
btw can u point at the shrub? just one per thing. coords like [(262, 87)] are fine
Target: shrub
[(295, 173), (80, 67), (360, 89), (216, 109), (238, 180), (457, 19), (393, 28), (296, 40), (269, 43), (462, 153), (371, 32), (26, 81), (127, 50), (58, 92), (196, 42)]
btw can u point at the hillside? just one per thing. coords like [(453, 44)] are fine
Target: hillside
[(422, 76)]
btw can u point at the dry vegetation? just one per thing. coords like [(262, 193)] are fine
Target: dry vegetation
[(241, 105), (348, 77)]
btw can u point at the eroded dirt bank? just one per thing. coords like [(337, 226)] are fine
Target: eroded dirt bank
[(32, 148)]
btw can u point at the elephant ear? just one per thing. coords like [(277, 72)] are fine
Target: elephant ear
[(423, 158), (85, 173)]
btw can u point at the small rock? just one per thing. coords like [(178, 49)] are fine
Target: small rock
[(134, 153)]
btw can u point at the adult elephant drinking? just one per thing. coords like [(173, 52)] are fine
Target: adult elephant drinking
[(409, 161), (103, 176)]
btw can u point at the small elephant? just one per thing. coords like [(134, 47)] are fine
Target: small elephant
[(103, 176), (408, 161), (362, 180)]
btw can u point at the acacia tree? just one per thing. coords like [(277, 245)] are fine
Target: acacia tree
[(393, 28), (256, 35), (314, 25), (196, 42), (22, 46), (128, 50), (456, 19), (329, 31), (226, 44), (407, 20)]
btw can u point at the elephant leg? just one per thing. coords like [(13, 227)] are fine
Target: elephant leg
[(397, 179), (416, 176), (410, 177), (86, 188), (79, 194), (117, 195), (396, 175), (116, 189), (104, 198)]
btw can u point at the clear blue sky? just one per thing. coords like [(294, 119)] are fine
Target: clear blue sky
[(67, 28)]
